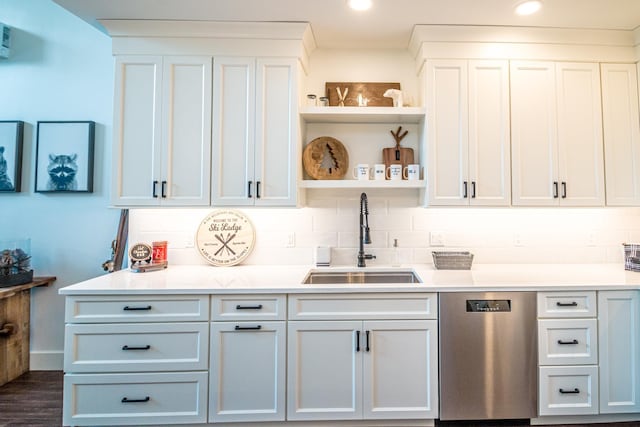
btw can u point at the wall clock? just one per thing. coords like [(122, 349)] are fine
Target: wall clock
[(225, 237)]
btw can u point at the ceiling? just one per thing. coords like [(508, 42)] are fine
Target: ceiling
[(387, 25)]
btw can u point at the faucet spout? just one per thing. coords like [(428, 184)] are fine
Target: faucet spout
[(365, 236)]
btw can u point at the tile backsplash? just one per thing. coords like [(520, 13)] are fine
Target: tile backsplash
[(494, 235)]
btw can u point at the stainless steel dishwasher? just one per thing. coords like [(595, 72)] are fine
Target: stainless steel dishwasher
[(488, 355)]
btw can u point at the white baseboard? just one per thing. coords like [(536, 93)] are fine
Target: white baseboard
[(46, 361)]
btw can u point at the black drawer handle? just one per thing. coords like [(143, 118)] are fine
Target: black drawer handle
[(153, 190), (249, 307), (567, 304), (573, 342), (248, 328), (129, 308), (127, 400), (357, 341), (144, 347), (574, 391), (367, 346)]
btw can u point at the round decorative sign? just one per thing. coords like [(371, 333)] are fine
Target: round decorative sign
[(225, 237), (140, 252)]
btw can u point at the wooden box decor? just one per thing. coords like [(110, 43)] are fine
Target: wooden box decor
[(352, 94)]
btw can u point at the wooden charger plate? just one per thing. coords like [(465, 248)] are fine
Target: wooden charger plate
[(325, 158)]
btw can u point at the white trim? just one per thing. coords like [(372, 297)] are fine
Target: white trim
[(46, 360)]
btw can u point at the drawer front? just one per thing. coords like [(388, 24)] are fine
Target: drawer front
[(135, 347), (567, 304), (157, 308), (135, 399), (567, 342), (248, 307), (363, 307), (568, 390)]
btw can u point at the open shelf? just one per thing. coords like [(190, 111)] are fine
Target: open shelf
[(354, 183), (393, 115)]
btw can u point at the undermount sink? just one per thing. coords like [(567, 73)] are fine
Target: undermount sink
[(362, 277)]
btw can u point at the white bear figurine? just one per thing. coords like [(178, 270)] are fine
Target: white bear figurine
[(394, 94)]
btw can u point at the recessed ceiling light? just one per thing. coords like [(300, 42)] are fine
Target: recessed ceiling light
[(359, 4), (528, 7)]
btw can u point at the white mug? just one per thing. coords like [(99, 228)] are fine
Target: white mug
[(379, 172), (361, 171), (394, 172), (411, 172)]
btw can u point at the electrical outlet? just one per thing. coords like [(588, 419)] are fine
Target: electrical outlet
[(291, 240), (436, 238), (591, 238), (517, 239)]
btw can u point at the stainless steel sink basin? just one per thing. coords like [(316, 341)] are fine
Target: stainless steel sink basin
[(362, 277)]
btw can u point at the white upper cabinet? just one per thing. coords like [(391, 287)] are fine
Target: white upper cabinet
[(621, 134), (254, 132), (162, 131), (556, 133), (468, 132)]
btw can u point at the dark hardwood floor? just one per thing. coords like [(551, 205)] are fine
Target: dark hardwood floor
[(35, 400)]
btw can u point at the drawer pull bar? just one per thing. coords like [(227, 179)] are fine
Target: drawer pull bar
[(128, 308), (127, 400), (249, 307), (367, 348), (357, 341), (573, 342), (567, 304), (574, 391), (248, 328), (126, 347)]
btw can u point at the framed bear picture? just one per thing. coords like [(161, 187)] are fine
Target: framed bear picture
[(64, 157), (10, 155)]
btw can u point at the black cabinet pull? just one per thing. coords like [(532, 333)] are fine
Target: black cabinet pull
[(144, 347), (564, 190), (357, 341), (153, 189), (473, 189), (367, 345), (572, 342), (129, 308), (127, 400), (555, 189), (567, 304), (249, 184), (464, 190), (249, 307), (248, 328), (574, 391), (163, 192), (257, 189)]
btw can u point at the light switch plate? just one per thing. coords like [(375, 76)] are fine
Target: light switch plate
[(436, 238)]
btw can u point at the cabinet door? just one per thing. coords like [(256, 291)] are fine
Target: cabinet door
[(448, 139), (489, 134), (324, 370), (619, 337), (186, 131), (580, 156), (137, 131), (276, 132), (400, 369), (534, 144), (233, 132), (621, 134), (247, 371)]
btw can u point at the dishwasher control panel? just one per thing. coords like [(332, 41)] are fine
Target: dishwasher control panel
[(488, 305)]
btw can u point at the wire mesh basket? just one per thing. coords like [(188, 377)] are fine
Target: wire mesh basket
[(452, 260), (631, 256)]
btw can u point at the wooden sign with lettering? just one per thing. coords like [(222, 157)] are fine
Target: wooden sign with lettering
[(225, 237)]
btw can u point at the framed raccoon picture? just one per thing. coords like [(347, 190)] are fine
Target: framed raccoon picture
[(10, 155), (64, 157)]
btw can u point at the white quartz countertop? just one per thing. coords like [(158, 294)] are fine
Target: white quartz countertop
[(203, 279)]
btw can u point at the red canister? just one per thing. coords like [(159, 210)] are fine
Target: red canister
[(159, 251)]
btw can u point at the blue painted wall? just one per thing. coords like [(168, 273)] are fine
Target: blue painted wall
[(60, 68)]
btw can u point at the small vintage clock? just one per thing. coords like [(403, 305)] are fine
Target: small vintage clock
[(225, 237)]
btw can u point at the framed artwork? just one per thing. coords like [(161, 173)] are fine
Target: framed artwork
[(64, 157), (10, 155)]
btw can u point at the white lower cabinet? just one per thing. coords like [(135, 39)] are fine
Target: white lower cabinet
[(248, 354), (362, 369), (568, 390)]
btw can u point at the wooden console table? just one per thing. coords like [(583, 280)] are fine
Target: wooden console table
[(14, 328)]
